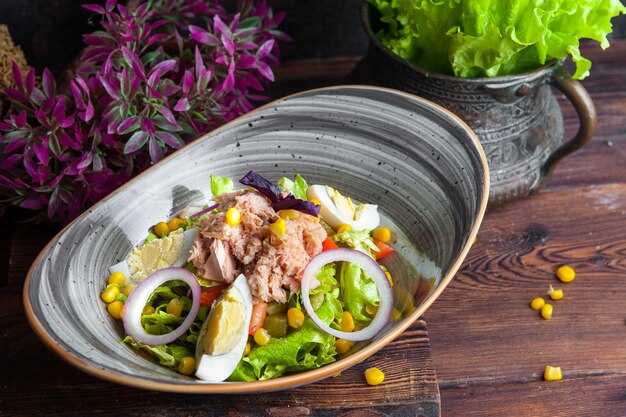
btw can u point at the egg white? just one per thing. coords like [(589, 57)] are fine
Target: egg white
[(216, 368), (367, 217)]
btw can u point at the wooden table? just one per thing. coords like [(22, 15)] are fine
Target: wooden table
[(489, 348)]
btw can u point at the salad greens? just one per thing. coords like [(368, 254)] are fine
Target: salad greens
[(221, 185), (488, 38), (305, 348), (297, 187)]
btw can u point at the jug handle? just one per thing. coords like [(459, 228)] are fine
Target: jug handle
[(580, 99)]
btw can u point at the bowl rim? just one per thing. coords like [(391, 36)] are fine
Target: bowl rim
[(283, 382)]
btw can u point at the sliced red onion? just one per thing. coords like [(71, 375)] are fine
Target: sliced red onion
[(206, 210), (372, 269), (137, 301)]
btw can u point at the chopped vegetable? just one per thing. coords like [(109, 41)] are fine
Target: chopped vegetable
[(259, 312), (344, 228), (279, 227), (537, 303), (342, 346), (389, 278), (261, 337), (210, 294), (174, 307), (233, 217), (117, 278), (295, 318), (328, 244), (566, 273), (115, 309), (187, 365), (297, 187), (176, 223), (347, 322), (555, 294), (382, 233), (552, 373), (374, 376), (161, 229), (205, 211), (383, 249), (546, 311), (220, 185), (110, 293)]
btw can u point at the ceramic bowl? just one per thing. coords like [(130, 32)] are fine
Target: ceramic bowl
[(420, 164)]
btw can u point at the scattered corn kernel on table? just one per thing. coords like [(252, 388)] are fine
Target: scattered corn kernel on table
[(487, 346)]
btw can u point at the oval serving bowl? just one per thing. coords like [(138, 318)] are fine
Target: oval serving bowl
[(420, 164)]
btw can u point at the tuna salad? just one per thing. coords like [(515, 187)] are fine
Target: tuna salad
[(260, 281)]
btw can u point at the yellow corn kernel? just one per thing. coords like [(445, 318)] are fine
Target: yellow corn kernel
[(110, 293), (176, 223), (552, 373), (174, 307), (128, 289), (161, 229), (261, 337), (371, 309), (537, 303), (374, 376), (115, 309), (382, 233), (117, 278), (233, 217), (395, 314), (147, 310), (342, 346), (187, 365), (315, 201), (546, 311), (279, 227), (344, 227), (566, 273), (555, 294), (295, 318), (347, 322), (247, 349), (389, 278), (289, 214)]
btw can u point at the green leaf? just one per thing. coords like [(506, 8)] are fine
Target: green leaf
[(357, 291), (221, 185), (297, 187), (168, 355), (356, 239)]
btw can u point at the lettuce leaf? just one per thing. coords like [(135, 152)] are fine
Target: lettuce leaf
[(297, 187), (305, 348), (357, 291), (221, 185), (478, 38), (356, 239), (168, 355)]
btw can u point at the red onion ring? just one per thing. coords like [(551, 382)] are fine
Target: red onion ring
[(371, 268), (206, 210), (136, 301)]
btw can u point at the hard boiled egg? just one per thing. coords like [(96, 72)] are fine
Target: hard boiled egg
[(224, 334), (337, 210)]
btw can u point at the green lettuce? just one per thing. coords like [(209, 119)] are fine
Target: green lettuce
[(478, 38), (221, 185), (356, 239), (358, 290), (297, 187), (168, 355), (305, 348)]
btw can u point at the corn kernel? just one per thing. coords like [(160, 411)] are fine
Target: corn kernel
[(566, 273), (174, 307), (344, 227), (546, 311), (395, 314), (115, 309), (233, 217), (128, 289), (247, 349), (279, 227), (161, 229), (537, 303), (117, 278), (147, 310), (374, 376), (315, 201), (371, 309), (347, 322), (261, 337), (289, 214), (389, 278), (555, 294), (295, 318), (110, 293), (187, 365), (382, 233), (552, 373), (176, 223), (342, 346)]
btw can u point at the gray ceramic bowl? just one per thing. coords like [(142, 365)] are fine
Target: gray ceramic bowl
[(420, 164)]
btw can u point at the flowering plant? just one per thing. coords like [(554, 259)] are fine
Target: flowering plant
[(158, 74)]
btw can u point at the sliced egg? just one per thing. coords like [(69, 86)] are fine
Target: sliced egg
[(337, 209), (160, 253), (224, 334)]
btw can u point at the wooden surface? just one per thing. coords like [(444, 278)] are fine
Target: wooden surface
[(489, 348)]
